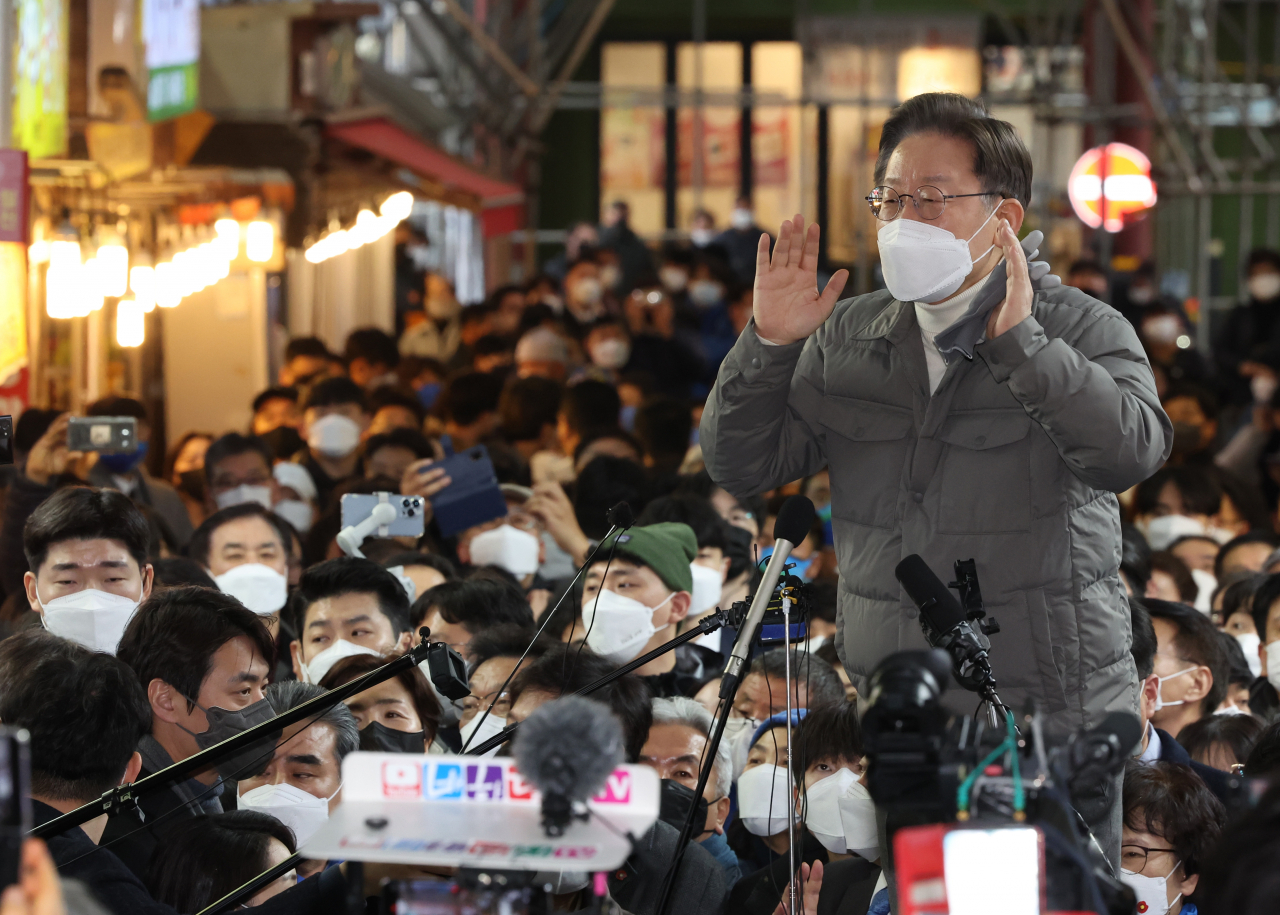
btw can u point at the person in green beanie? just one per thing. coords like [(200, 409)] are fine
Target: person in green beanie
[(634, 596)]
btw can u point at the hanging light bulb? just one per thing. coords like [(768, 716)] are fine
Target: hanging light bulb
[(113, 269), (227, 238), (259, 241), (131, 326), (38, 253), (168, 285), (398, 206), (142, 283), (62, 278), (365, 231)]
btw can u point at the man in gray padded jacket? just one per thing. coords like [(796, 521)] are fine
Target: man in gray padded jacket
[(997, 426)]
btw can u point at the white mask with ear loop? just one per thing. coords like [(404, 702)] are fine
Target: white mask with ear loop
[(1152, 892), (1160, 700), (89, 617), (923, 262)]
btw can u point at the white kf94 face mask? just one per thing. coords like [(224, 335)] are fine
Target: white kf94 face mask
[(315, 669), (474, 732), (507, 548), (1152, 892), (303, 813), (841, 815), (923, 262), (618, 627), (707, 586), (260, 588), (335, 436), (92, 618), (762, 800)]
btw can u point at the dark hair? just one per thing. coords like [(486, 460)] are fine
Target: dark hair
[(663, 426), (1264, 758), (565, 669), (1086, 265), (335, 392), (827, 652), (467, 397), (1171, 801), (476, 604), (1238, 590), (416, 558), (526, 406), (277, 393), (306, 346), (1143, 647), (708, 527), (494, 301), (590, 404), (85, 513), (233, 444), (1237, 733), (596, 433), (1200, 493), (412, 679), (174, 635), (374, 346), (826, 734), (31, 426), (1175, 568), (1000, 158), (824, 599), (350, 575), (85, 712), (1202, 396), (118, 406), (388, 395), (204, 858), (410, 439), (492, 345), (1135, 558), (198, 546), (1196, 641), (602, 484), (1246, 497), (1267, 594), (170, 457), (505, 641), (176, 571), (1237, 664), (1241, 875), (822, 685), (1265, 537)]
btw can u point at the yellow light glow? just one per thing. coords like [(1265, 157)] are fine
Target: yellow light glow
[(366, 230), (228, 237), (113, 269), (168, 285), (61, 284), (38, 253), (131, 326), (944, 69), (398, 206), (142, 283), (259, 241)]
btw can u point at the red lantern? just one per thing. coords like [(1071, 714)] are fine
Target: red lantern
[(1115, 176)]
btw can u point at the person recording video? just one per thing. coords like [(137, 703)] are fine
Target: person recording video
[(951, 433)]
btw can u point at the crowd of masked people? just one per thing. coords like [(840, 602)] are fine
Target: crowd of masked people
[(154, 608)]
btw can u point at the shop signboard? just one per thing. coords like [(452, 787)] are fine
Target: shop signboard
[(172, 32), (40, 78)]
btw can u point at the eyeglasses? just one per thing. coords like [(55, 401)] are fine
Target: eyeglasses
[(886, 203), (472, 705), (1133, 858)]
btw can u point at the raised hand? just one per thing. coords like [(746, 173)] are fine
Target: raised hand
[(1016, 306), (788, 306)]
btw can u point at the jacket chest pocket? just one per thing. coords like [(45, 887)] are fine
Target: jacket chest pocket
[(867, 446), (986, 473)]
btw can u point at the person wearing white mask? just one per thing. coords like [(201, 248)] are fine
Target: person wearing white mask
[(457, 611), (1238, 624), (298, 494), (302, 782), (237, 469), (758, 834), (1171, 823), (494, 654), (1189, 664), (1264, 694), (513, 543), (244, 548), (344, 607), (635, 593), (739, 241), (335, 417), (87, 564), (1180, 501)]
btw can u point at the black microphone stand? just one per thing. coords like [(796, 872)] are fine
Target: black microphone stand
[(126, 796), (233, 898)]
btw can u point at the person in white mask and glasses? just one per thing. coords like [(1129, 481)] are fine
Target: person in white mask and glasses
[(345, 607), (237, 470), (244, 548), (1004, 415), (302, 782), (1171, 823), (87, 564), (1189, 663), (335, 417)]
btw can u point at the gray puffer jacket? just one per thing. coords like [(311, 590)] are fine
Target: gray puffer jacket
[(1014, 461)]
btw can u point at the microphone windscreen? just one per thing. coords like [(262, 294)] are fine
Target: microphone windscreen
[(795, 520), (937, 604), (1126, 727), (569, 746), (620, 515)]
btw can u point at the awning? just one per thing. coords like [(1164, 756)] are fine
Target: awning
[(502, 203)]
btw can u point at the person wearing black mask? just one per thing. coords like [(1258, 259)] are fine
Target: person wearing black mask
[(276, 420), (400, 715), (1194, 414), (203, 660), (184, 469)]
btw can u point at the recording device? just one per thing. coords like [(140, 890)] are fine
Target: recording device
[(408, 520), (945, 626), (15, 799), (6, 439), (567, 749), (473, 495), (445, 668), (792, 525), (105, 434)]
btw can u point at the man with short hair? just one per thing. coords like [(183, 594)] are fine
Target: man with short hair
[(335, 417), (306, 360), (306, 765), (1005, 422), (457, 611), (494, 655), (763, 692), (469, 407), (542, 353), (237, 469), (87, 564), (344, 607), (675, 748), (194, 650), (245, 549), (372, 357), (273, 408), (1189, 665)]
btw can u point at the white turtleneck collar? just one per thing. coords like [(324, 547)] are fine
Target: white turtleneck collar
[(933, 320)]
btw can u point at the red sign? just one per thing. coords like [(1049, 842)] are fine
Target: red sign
[(13, 195), (1111, 186)]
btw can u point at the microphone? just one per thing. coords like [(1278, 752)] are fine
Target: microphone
[(620, 516), (945, 626), (567, 749), (794, 521), (1102, 750)]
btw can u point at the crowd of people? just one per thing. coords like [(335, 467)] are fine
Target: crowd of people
[(152, 609)]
